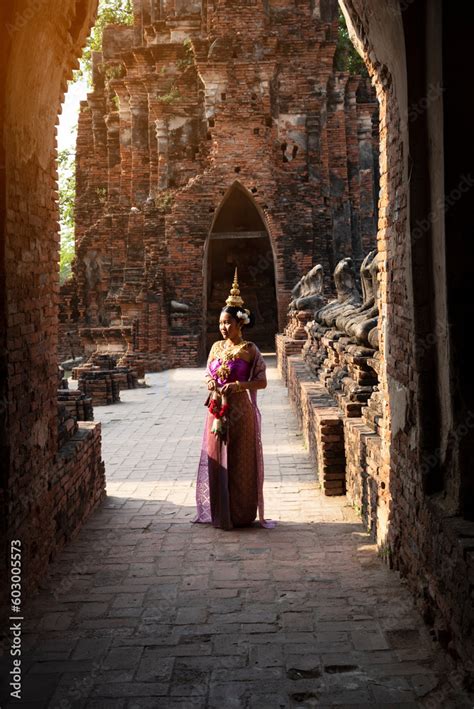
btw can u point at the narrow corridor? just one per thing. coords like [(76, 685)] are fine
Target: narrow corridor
[(144, 609)]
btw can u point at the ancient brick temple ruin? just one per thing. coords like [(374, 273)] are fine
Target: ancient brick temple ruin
[(217, 135), (416, 434)]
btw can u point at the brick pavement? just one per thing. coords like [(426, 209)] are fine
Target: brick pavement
[(144, 609)]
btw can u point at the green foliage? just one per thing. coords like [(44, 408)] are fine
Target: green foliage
[(109, 12), (67, 195), (114, 71), (101, 193), (188, 58), (346, 57), (164, 201), (172, 95)]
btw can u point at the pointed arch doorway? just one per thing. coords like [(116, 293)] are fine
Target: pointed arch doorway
[(239, 237)]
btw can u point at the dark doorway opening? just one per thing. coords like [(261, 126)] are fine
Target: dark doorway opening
[(239, 238)]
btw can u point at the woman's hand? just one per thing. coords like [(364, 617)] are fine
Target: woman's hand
[(211, 384), (230, 388)]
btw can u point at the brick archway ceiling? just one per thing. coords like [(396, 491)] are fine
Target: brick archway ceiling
[(238, 213)]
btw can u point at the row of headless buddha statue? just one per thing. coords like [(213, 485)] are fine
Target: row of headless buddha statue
[(348, 314)]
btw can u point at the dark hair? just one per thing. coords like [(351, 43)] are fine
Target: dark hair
[(232, 310)]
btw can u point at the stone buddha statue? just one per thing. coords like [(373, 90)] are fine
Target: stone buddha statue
[(310, 296), (365, 318), (295, 294), (348, 296), (307, 294), (373, 337), (346, 321), (366, 330)]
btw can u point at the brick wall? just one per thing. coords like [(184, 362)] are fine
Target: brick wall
[(422, 537), (78, 483), (226, 94), (321, 422), (421, 533), (32, 466)]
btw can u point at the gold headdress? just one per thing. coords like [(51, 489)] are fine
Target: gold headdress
[(234, 299)]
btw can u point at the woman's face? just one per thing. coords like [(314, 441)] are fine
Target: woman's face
[(229, 326)]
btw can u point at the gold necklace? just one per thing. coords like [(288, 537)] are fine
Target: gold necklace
[(233, 344), (227, 355)]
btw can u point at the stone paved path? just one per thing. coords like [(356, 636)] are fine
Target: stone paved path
[(145, 609)]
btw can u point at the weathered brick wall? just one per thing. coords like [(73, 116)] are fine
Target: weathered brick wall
[(344, 440), (422, 539), (29, 264), (391, 237), (70, 343), (183, 107), (321, 422), (417, 531), (77, 485), (285, 347), (362, 488)]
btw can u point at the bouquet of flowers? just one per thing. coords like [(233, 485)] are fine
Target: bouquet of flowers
[(219, 407)]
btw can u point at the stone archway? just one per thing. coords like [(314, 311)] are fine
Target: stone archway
[(240, 238)]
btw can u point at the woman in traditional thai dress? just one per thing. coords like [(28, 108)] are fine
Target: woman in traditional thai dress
[(229, 489)]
